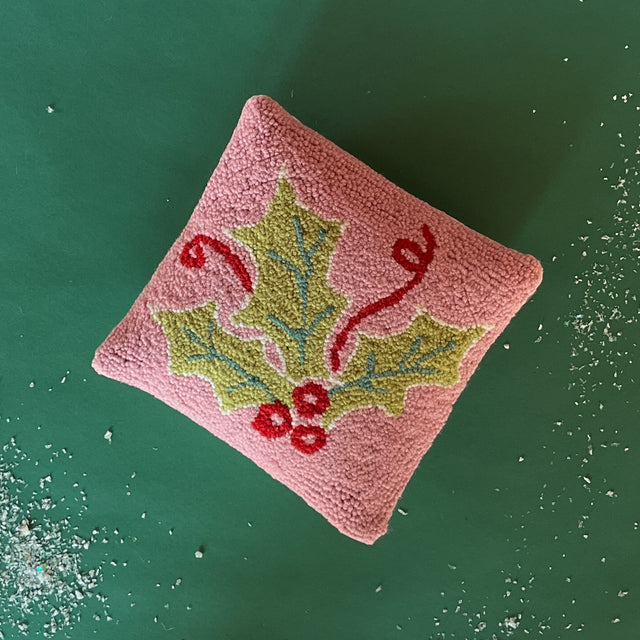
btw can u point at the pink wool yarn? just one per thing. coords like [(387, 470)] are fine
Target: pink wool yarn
[(362, 457)]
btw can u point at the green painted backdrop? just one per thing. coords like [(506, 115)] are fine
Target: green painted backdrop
[(517, 118)]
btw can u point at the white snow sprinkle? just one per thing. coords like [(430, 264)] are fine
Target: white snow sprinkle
[(511, 623), (42, 577)]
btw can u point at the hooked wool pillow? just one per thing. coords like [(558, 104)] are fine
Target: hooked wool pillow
[(318, 318)]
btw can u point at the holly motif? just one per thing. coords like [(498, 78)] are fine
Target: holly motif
[(294, 307)]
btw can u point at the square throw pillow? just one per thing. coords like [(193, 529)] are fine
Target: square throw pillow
[(318, 318)]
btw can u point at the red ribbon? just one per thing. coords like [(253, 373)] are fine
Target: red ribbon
[(418, 268), (401, 247), (198, 260)]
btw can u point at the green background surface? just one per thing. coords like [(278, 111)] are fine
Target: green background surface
[(469, 105)]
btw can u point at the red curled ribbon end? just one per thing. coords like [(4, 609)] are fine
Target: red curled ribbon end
[(401, 247), (198, 259)]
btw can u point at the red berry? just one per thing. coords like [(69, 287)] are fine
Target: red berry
[(311, 399), (273, 420), (308, 439)]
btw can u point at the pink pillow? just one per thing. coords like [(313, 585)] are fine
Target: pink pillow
[(318, 318)]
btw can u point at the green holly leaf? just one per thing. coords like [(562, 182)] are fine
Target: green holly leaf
[(236, 368), (293, 302), (382, 369)]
